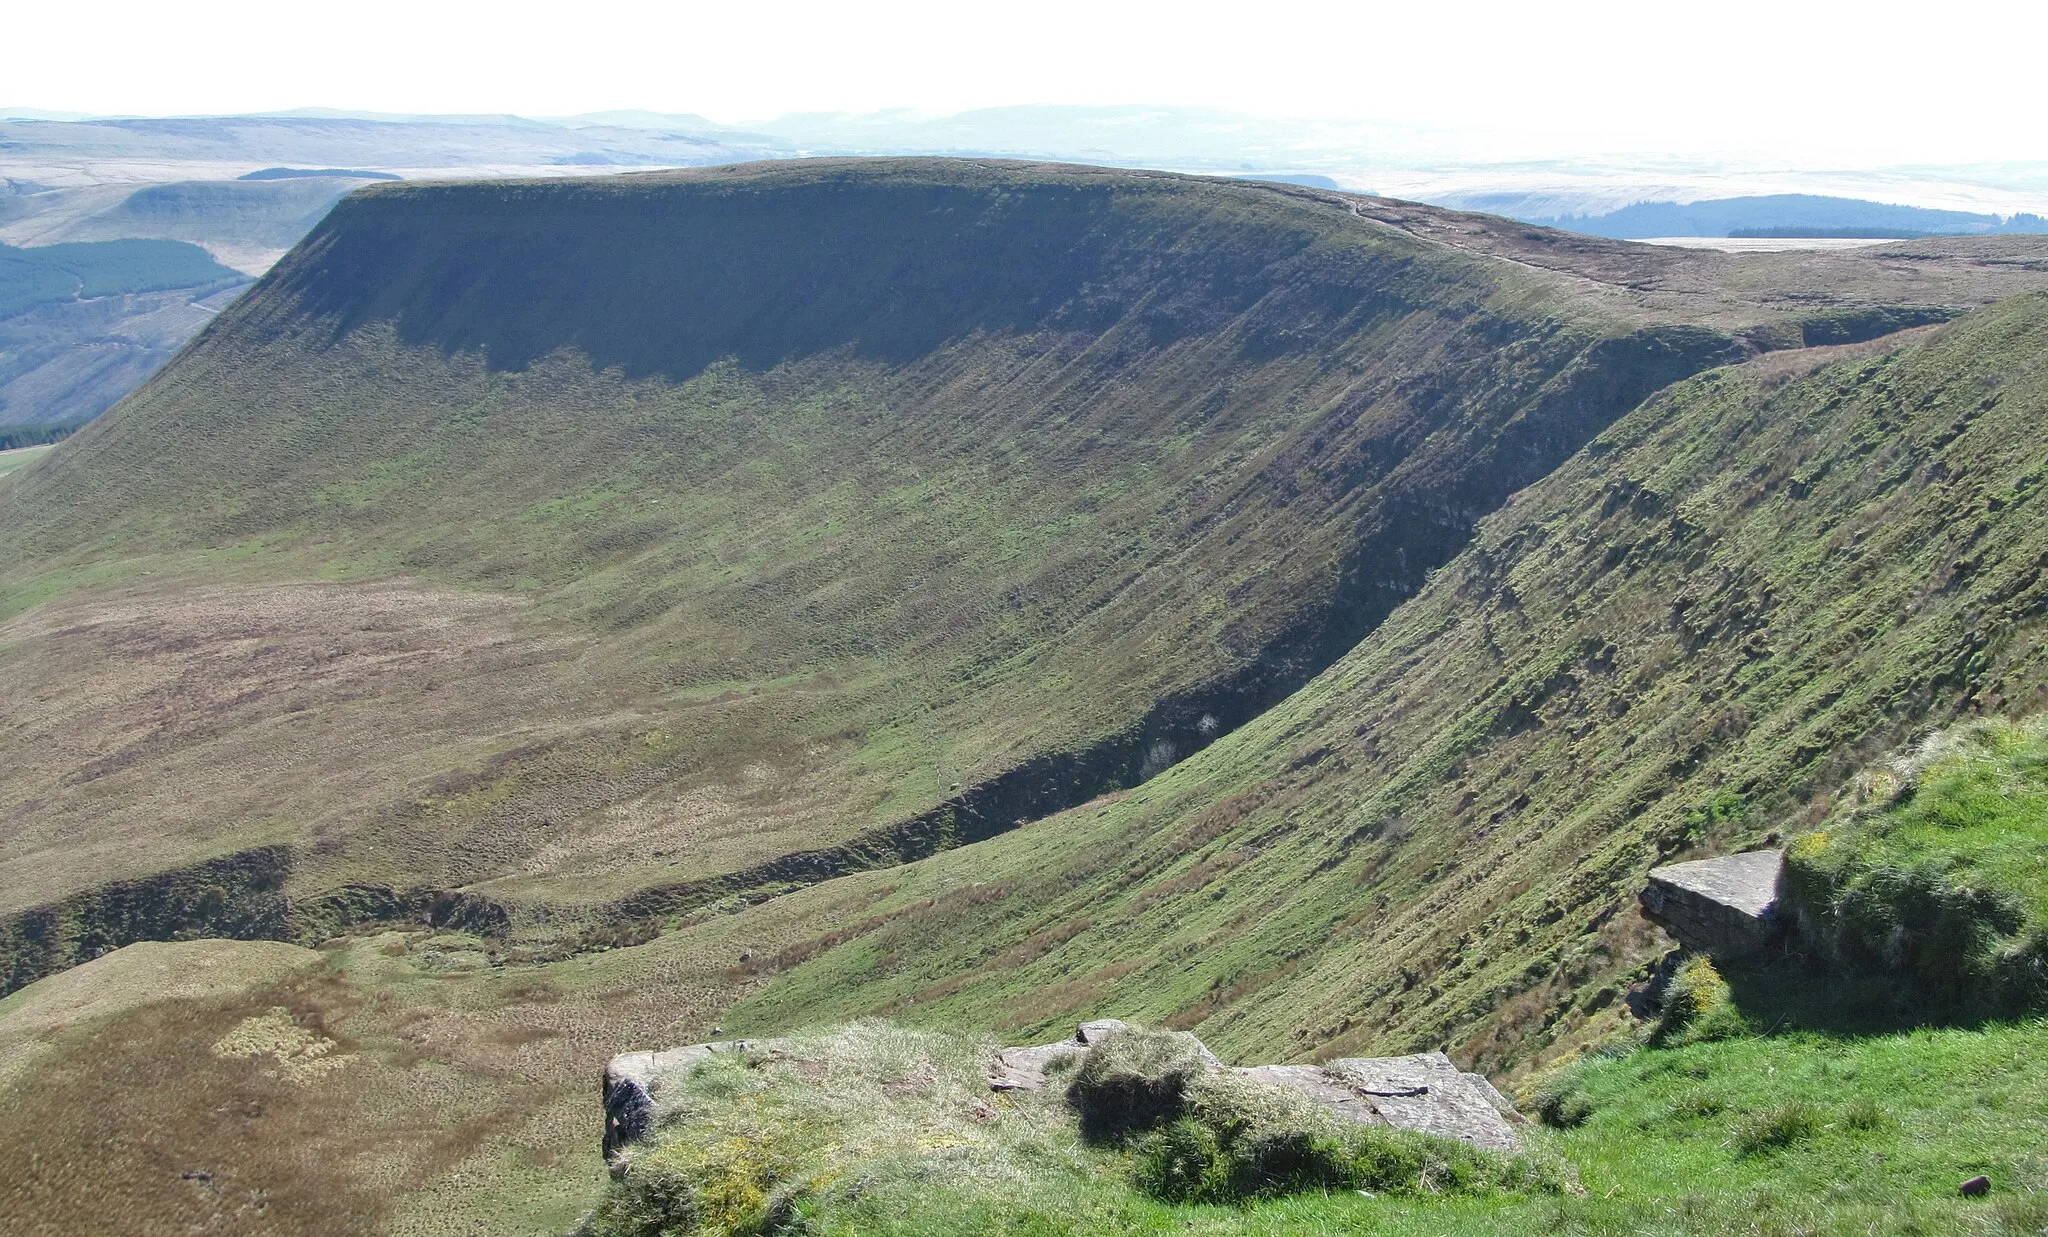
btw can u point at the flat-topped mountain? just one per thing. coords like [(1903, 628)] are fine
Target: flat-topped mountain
[(556, 555), (1289, 616)]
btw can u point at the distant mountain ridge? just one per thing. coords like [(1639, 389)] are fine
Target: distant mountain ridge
[(1783, 215)]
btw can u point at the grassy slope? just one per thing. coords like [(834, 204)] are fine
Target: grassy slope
[(1003, 459), (1691, 632), (1932, 871)]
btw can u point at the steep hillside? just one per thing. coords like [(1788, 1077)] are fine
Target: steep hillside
[(1796, 563), (519, 592), (767, 523), (81, 325), (1686, 637)]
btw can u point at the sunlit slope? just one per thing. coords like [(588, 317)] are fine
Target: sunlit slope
[(570, 543), (1684, 638)]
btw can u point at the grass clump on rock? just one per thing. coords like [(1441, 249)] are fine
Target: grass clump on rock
[(1196, 1133), (1935, 873), (1241, 1140), (1698, 1007), (1136, 1080), (749, 1141)]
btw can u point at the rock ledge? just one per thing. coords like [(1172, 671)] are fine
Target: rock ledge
[(1724, 907)]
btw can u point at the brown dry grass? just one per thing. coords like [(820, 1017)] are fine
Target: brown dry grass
[(466, 1102), (165, 723)]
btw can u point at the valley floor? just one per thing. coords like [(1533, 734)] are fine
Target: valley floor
[(20, 457)]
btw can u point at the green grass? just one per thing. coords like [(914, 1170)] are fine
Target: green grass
[(1848, 1131), (1939, 871)]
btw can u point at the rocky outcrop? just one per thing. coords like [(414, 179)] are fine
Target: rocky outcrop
[(1425, 1093), (1724, 907)]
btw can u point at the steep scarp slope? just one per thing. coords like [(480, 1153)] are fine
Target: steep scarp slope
[(602, 549), (1685, 638), (369, 597)]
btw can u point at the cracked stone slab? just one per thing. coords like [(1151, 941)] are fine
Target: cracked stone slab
[(1724, 907), (1425, 1093), (1429, 1094)]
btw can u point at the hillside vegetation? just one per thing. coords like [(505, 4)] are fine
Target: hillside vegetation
[(1935, 872), (793, 520), (1685, 638), (983, 596)]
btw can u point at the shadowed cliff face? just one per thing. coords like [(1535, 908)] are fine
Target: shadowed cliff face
[(862, 509), (666, 276)]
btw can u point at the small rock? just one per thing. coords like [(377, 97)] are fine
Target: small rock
[(1092, 1033), (1975, 1186)]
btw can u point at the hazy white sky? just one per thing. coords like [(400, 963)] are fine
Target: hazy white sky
[(1837, 83)]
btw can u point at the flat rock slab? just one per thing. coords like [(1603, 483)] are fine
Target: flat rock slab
[(1429, 1094), (1426, 1093), (1023, 1069), (1725, 907)]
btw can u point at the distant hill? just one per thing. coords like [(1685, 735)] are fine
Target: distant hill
[(301, 173), (82, 324), (1787, 215)]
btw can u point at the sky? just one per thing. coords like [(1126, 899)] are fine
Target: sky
[(1833, 84)]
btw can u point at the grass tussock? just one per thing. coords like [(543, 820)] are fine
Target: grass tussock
[(1698, 1007)]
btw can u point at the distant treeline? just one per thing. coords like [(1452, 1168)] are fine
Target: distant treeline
[(14, 437), (52, 274)]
